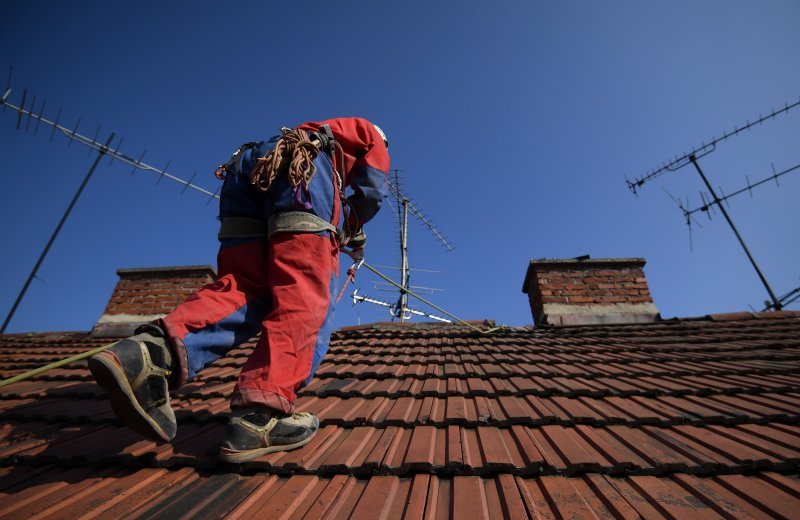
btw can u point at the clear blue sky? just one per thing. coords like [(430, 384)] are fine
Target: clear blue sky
[(514, 123)]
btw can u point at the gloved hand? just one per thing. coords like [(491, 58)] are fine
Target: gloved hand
[(357, 243), (358, 240)]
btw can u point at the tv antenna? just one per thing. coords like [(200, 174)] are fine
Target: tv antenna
[(704, 149), (711, 200), (403, 314), (30, 114), (404, 208), (114, 152)]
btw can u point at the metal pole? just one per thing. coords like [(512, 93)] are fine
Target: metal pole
[(776, 302), (55, 234), (403, 303)]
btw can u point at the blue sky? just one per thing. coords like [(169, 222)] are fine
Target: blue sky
[(514, 124)]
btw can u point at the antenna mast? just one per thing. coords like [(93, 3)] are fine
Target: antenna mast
[(404, 209), (402, 303), (775, 301)]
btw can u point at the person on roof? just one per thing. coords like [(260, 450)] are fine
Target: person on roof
[(284, 217)]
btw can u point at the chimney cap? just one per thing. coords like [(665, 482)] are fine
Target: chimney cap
[(167, 270), (579, 261)]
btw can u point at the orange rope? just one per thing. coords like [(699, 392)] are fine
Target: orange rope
[(351, 277), (294, 154)]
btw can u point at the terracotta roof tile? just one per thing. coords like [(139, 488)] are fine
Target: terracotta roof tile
[(678, 417)]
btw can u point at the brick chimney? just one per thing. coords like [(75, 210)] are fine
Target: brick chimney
[(586, 291), (143, 295)]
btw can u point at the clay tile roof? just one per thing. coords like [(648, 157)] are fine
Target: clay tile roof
[(679, 418)]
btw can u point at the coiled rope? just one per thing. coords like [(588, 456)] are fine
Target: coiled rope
[(293, 155)]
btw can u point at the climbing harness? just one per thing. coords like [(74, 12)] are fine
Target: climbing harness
[(293, 155)]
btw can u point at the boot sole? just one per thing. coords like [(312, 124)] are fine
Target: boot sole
[(235, 457), (111, 378)]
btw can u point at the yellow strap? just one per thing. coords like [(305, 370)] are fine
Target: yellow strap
[(57, 364)]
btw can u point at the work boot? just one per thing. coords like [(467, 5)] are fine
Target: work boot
[(253, 432), (134, 374)]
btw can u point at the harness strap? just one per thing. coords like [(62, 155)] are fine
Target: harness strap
[(242, 227), (299, 222), (234, 164), (325, 141), (288, 222)]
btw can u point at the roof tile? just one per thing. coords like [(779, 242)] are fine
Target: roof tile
[(683, 417)]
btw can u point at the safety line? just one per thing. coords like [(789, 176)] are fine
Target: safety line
[(351, 277), (423, 300), (57, 364)]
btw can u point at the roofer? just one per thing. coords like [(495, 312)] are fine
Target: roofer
[(284, 217)]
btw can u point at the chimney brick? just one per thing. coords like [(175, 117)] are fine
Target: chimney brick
[(143, 295), (589, 291)]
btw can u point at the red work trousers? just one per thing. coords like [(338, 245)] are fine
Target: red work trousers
[(283, 287)]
